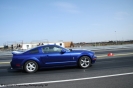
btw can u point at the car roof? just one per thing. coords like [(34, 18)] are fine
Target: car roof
[(46, 45), (43, 46), (39, 47)]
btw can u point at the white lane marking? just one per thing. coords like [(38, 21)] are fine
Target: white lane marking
[(67, 80), (102, 56), (4, 62), (124, 54), (116, 55)]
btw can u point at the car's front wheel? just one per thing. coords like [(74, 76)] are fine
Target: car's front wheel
[(84, 62), (31, 66)]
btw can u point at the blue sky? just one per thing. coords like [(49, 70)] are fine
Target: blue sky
[(67, 20)]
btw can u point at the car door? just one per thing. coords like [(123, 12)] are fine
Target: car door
[(54, 57)]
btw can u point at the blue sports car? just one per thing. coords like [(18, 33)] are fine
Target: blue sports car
[(49, 56)]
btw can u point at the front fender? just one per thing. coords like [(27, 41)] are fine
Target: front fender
[(90, 55)]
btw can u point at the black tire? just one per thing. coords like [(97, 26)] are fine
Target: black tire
[(84, 62), (30, 68)]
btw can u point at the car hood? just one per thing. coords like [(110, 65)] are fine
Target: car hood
[(79, 50)]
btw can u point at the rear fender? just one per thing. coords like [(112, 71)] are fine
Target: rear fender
[(34, 59)]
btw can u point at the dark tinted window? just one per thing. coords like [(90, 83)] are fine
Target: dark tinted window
[(34, 51), (51, 49)]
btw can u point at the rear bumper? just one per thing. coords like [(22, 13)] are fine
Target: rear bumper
[(15, 66)]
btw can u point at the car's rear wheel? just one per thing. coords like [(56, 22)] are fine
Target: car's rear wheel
[(84, 62), (31, 66)]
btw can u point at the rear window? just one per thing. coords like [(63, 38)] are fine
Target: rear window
[(34, 51)]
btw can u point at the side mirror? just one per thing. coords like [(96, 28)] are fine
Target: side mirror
[(63, 51), (70, 49)]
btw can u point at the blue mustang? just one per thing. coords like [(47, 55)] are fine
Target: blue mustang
[(47, 56)]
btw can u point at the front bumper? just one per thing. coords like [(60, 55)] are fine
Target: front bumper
[(94, 59)]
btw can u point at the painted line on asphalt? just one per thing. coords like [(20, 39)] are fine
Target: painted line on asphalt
[(102, 56), (67, 80), (4, 62), (97, 56), (116, 55)]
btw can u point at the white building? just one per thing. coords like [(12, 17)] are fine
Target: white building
[(1, 47), (26, 46)]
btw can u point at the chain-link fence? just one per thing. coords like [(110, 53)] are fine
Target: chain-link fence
[(12, 45)]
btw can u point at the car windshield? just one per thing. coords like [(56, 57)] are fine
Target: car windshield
[(68, 50)]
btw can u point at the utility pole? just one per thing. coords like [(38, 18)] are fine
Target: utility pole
[(116, 37)]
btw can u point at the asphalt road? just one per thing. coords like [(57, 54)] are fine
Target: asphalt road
[(107, 72), (115, 51)]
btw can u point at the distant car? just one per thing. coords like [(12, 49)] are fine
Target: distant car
[(50, 56)]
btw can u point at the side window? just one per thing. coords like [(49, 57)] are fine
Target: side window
[(51, 49), (45, 49), (34, 51)]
